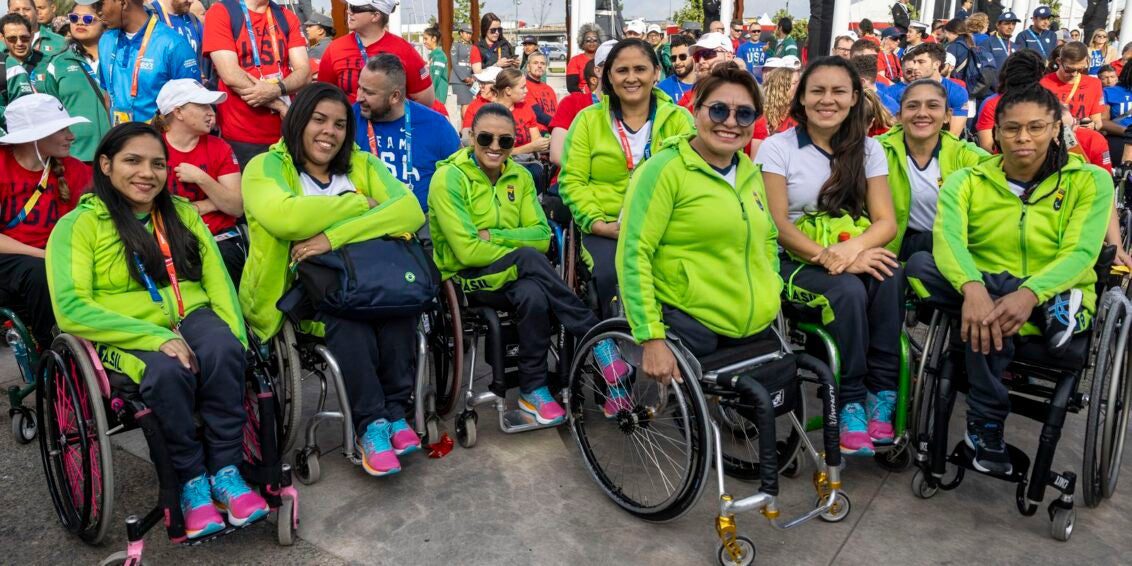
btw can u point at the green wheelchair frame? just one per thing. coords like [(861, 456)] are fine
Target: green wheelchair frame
[(27, 357)]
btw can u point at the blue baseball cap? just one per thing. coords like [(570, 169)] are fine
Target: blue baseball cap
[(892, 32), (1043, 12), (1007, 16)]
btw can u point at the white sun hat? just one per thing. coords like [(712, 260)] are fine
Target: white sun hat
[(35, 116)]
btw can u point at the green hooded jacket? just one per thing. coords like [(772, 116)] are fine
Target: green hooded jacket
[(279, 214), (594, 174), (1052, 239), (954, 154), (462, 201), (67, 80), (692, 241), (94, 297)]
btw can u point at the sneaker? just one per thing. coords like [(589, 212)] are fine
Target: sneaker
[(378, 456), (985, 438), (613, 368), (231, 493), (616, 400), (880, 408), (1061, 320), (542, 406), (855, 439), (403, 438), (201, 517)]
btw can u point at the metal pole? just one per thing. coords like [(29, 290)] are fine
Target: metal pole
[(840, 21), (1126, 24)]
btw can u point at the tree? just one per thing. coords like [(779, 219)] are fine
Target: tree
[(542, 10), (801, 29), (462, 11), (692, 11)]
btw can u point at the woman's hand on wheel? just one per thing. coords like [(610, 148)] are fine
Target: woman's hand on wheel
[(659, 364), (317, 245), (177, 348), (978, 330)]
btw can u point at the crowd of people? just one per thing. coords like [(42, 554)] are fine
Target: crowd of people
[(711, 177)]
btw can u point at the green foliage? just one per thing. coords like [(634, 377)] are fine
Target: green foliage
[(691, 11), (801, 31)]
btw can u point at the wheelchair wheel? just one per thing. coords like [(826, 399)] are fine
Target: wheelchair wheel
[(1109, 395), (73, 440), (651, 457), (287, 382), (446, 349), (739, 439)]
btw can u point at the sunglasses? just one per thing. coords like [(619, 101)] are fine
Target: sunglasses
[(680, 57), (84, 19), (494, 30), (719, 112), (361, 9), (705, 55), (18, 38), (484, 139)]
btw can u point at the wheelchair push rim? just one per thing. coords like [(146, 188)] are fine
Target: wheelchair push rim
[(287, 383)]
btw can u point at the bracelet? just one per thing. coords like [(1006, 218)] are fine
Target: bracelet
[(282, 88)]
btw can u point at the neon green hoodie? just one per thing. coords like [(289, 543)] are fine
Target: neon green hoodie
[(94, 297), (279, 214), (462, 201), (954, 154), (594, 173), (1052, 240), (692, 241)]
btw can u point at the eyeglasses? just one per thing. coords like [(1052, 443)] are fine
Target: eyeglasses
[(590, 40), (705, 55), (484, 139), (1012, 130), (17, 38), (680, 57), (737, 30), (361, 9), (1073, 70), (85, 19), (719, 112), (494, 30)]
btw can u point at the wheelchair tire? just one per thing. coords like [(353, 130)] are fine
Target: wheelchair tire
[(446, 349), (1109, 395), (740, 440), (287, 381), (74, 445), (651, 458), (747, 553), (284, 522)]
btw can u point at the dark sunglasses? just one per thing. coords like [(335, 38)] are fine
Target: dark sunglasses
[(680, 57), (590, 40), (494, 30), (84, 19), (705, 55), (718, 112), (18, 39), (361, 9), (484, 139)]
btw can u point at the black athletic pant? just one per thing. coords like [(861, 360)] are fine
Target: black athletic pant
[(24, 282), (603, 252), (531, 298), (699, 339), (217, 392), (234, 255), (378, 362), (915, 241)]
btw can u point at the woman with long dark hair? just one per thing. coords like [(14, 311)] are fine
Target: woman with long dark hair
[(137, 272), (314, 191), (827, 191), (1012, 278), (607, 142), (492, 50)]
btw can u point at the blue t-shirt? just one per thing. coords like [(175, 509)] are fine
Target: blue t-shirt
[(187, 25), (956, 95), (754, 55), (168, 56), (433, 140), (1119, 101), (674, 88), (1096, 61), (892, 104), (1043, 42)]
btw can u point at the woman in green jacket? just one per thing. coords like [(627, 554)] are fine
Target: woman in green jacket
[(136, 271), (67, 80), (605, 144), (921, 155), (1015, 241), (698, 258), (490, 234), (314, 191)]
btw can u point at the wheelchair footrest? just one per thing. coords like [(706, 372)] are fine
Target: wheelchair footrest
[(228, 529), (964, 456)]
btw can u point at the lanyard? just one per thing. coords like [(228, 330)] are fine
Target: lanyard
[(361, 48), (888, 66), (33, 199), (170, 269), (255, 44), (594, 96), (1006, 45), (627, 147), (141, 53), (1038, 40), (407, 165)]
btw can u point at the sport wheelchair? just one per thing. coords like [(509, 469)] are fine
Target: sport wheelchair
[(1092, 375), (653, 460), (26, 352), (82, 405)]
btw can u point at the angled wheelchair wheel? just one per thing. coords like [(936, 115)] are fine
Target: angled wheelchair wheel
[(651, 454), (73, 440), (739, 439), (287, 382), (446, 349), (1109, 394)]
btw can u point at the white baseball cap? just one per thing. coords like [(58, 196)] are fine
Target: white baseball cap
[(383, 6), (603, 52), (712, 41), (488, 75), (33, 117), (654, 28), (636, 26), (179, 92)]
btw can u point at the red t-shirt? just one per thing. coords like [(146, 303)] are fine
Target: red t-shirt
[(1095, 147), (439, 107), (214, 156), (470, 111), (524, 121), (238, 121), (577, 67), (543, 95), (18, 184), (1088, 96), (342, 63), (688, 99), (1118, 66), (986, 114), (888, 66), (569, 108)]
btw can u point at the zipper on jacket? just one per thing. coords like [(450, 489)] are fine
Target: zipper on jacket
[(746, 258), (1022, 238)]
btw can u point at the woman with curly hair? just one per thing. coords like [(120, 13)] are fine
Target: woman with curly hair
[(778, 90)]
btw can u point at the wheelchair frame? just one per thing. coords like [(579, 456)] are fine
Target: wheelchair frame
[(26, 352)]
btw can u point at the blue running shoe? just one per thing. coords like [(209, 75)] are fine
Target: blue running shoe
[(404, 438), (880, 408), (378, 457), (855, 439), (986, 439), (231, 493), (613, 368), (541, 405), (201, 517)]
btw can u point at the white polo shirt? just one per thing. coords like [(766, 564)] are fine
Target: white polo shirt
[(806, 166)]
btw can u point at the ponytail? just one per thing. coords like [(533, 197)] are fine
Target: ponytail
[(60, 178)]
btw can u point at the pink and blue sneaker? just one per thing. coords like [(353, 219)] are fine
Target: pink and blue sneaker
[(404, 438), (880, 408), (616, 400), (378, 457), (201, 517), (232, 494), (542, 406), (855, 439), (613, 367)]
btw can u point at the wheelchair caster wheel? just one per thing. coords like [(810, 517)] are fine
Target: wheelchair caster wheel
[(466, 428), (120, 558), (746, 553), (895, 460), (284, 522), (920, 487), (838, 511), (1061, 527), (23, 425), (306, 466), (432, 431)]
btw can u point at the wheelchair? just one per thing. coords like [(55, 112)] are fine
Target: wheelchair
[(82, 405), (1092, 376), (654, 459), (26, 352)]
